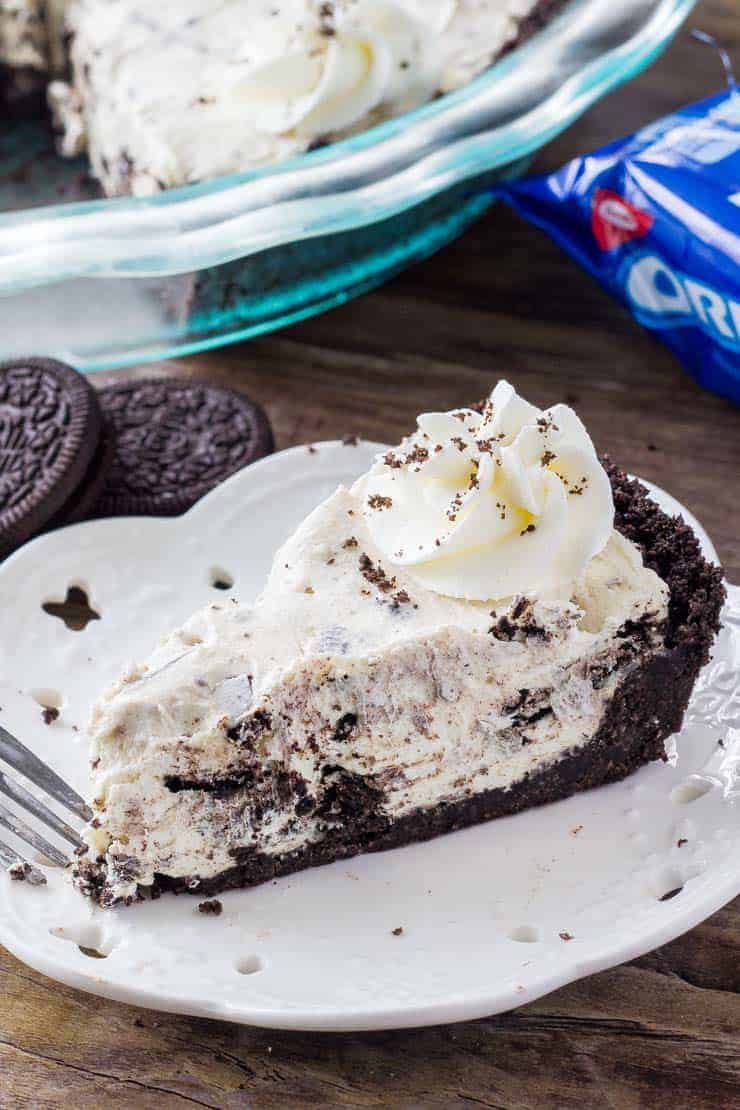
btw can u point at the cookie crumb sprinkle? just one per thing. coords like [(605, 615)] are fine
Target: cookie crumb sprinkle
[(375, 575), (212, 907), (23, 872)]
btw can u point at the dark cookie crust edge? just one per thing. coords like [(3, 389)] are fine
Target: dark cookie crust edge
[(672, 550), (647, 707), (22, 93)]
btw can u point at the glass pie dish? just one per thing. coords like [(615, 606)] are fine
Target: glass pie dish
[(105, 283)]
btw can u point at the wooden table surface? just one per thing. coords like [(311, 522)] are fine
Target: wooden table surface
[(661, 1031)]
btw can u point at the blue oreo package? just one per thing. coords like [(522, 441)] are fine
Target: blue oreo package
[(656, 219)]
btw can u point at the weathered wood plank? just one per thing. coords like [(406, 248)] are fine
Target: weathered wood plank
[(666, 1025)]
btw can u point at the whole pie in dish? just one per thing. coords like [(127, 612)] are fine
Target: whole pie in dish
[(491, 618), (169, 93)]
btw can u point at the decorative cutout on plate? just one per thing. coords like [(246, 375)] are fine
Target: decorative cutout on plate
[(690, 791), (525, 934), (50, 702), (666, 884), (88, 937), (75, 610), (249, 965), (221, 579)]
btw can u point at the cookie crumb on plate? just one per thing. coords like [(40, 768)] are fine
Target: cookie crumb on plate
[(211, 906), (23, 872)]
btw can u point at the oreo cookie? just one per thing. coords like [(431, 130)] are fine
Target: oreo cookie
[(81, 505), (51, 447), (174, 441)]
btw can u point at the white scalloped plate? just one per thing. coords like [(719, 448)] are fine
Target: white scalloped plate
[(486, 913)]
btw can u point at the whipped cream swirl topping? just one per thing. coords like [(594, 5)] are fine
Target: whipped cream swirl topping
[(329, 66), (359, 55), (483, 506)]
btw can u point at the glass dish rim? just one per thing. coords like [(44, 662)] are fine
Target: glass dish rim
[(210, 223)]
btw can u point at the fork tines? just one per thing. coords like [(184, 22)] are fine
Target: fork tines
[(17, 756)]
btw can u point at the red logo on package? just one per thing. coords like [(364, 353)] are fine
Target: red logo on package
[(615, 221)]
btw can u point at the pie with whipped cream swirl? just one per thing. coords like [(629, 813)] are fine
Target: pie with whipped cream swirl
[(165, 94), (491, 618)]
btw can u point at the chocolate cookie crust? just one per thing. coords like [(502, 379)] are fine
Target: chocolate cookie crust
[(672, 550), (22, 93), (175, 441)]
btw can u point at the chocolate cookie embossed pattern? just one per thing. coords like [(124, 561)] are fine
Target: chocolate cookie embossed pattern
[(176, 441), (50, 433)]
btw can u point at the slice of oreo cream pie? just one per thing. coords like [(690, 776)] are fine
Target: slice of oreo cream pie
[(491, 618), (166, 94)]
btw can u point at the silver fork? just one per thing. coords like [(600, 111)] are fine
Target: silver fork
[(20, 759)]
